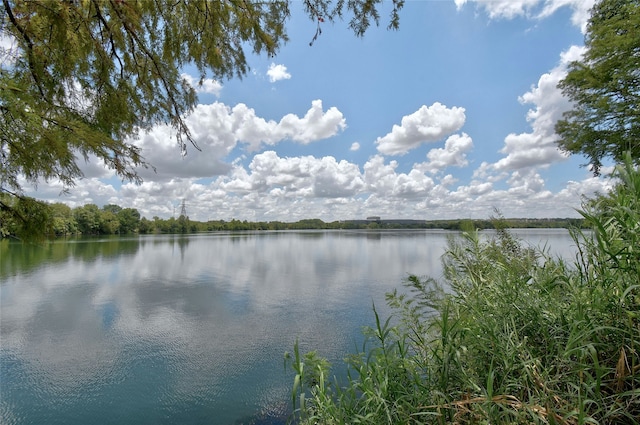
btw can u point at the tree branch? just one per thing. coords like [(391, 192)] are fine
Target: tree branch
[(175, 115), (27, 39)]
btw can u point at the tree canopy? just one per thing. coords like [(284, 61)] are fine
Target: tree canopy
[(84, 77), (604, 87)]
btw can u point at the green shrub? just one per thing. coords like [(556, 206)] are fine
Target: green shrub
[(520, 337)]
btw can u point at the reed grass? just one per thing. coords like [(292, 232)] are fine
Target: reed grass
[(521, 338)]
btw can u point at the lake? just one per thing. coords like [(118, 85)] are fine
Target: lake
[(169, 329)]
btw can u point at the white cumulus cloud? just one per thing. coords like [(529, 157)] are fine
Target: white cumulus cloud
[(506, 9), (277, 73), (206, 85), (217, 129), (538, 148), (297, 177), (454, 154), (315, 125), (384, 181), (426, 125)]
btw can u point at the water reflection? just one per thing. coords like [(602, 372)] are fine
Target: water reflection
[(16, 257), (186, 329)]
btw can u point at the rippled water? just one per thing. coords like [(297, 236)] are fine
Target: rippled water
[(190, 330)]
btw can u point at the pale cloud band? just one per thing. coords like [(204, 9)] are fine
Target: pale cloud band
[(538, 9), (290, 188), (274, 187)]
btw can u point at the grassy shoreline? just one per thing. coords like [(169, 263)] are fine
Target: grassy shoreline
[(524, 337)]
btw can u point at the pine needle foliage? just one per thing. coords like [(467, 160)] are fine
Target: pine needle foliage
[(519, 336), (83, 78)]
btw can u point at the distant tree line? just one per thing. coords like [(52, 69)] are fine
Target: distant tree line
[(113, 219)]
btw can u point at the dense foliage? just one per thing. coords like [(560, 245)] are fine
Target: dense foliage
[(60, 220), (517, 337), (85, 76), (604, 87)]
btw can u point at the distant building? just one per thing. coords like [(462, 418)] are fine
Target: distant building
[(373, 218)]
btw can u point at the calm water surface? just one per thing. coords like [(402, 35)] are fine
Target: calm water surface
[(191, 329)]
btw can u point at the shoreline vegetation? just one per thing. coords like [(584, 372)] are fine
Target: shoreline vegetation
[(518, 336), (91, 220)]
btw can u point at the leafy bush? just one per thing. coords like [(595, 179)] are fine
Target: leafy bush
[(520, 337)]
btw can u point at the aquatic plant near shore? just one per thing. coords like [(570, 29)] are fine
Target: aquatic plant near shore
[(522, 337)]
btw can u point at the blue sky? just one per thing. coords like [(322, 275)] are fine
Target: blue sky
[(451, 116)]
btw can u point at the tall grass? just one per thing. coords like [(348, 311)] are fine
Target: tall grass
[(522, 337)]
